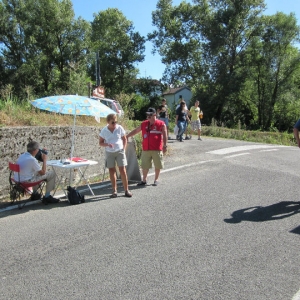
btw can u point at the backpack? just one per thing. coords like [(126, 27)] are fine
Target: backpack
[(74, 196)]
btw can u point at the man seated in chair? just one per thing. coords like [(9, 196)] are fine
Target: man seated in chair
[(31, 170)]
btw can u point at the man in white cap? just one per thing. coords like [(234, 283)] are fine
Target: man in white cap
[(154, 144)]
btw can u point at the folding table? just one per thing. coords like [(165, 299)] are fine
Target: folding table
[(68, 165)]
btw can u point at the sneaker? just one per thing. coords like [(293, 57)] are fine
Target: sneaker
[(142, 183), (199, 139), (155, 183), (187, 138), (35, 196), (50, 199), (169, 138)]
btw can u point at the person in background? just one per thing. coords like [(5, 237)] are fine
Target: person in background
[(154, 135), (187, 119), (296, 132), (31, 170), (181, 120), (113, 138), (195, 120), (163, 114)]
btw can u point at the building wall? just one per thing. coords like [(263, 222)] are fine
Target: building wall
[(57, 140), (173, 99)]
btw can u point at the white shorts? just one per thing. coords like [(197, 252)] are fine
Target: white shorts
[(196, 125)]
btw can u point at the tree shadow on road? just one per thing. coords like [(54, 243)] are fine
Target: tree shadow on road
[(272, 212)]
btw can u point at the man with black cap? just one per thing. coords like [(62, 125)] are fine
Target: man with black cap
[(154, 134)]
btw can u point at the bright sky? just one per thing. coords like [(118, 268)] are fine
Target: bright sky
[(139, 12)]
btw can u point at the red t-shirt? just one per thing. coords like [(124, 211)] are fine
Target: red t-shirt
[(152, 135)]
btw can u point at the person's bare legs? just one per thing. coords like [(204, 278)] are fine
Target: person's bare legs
[(124, 178), (157, 172), (145, 174), (113, 179)]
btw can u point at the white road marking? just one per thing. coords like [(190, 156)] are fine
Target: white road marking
[(239, 148), (268, 150), (234, 155), (184, 166), (296, 296)]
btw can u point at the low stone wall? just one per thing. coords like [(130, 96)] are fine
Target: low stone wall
[(57, 140)]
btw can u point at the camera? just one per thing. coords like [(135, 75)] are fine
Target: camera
[(39, 154)]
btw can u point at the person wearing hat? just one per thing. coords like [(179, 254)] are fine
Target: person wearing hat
[(154, 135)]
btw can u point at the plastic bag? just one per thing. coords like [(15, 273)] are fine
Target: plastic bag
[(176, 130)]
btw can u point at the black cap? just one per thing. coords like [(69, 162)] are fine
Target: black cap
[(151, 110)]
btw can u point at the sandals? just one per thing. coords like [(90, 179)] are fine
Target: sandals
[(128, 194), (115, 195)]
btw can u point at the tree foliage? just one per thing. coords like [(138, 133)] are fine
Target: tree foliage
[(242, 65), (40, 42), (225, 51), (119, 47)]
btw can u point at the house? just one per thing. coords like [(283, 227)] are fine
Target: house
[(173, 96)]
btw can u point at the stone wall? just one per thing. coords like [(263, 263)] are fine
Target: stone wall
[(57, 140)]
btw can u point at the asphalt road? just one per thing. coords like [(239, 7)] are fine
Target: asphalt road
[(222, 224)]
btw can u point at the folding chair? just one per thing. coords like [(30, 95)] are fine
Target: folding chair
[(18, 188)]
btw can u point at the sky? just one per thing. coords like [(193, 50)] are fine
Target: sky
[(139, 12)]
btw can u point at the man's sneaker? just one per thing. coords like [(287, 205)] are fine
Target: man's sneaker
[(50, 199), (199, 139), (142, 183), (187, 138), (35, 196), (155, 183)]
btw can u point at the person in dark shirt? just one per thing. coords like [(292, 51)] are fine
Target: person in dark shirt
[(163, 114), (181, 120), (296, 132)]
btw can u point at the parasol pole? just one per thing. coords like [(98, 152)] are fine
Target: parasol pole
[(73, 134)]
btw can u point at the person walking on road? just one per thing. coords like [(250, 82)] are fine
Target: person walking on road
[(113, 138), (154, 135), (187, 119), (195, 120), (163, 114), (296, 132), (181, 120)]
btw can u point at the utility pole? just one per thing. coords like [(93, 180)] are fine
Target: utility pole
[(98, 76)]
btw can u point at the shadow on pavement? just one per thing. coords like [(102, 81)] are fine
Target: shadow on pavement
[(272, 212), (101, 193)]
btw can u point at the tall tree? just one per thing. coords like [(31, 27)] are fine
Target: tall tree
[(275, 62), (210, 38), (119, 47), (40, 39)]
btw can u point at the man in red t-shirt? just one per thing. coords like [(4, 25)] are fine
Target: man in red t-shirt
[(154, 136)]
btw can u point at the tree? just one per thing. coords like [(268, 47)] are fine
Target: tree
[(207, 42), (119, 47), (275, 62), (40, 39)]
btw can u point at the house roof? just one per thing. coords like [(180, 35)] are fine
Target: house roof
[(173, 91)]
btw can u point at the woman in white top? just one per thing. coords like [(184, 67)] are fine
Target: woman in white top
[(113, 138)]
